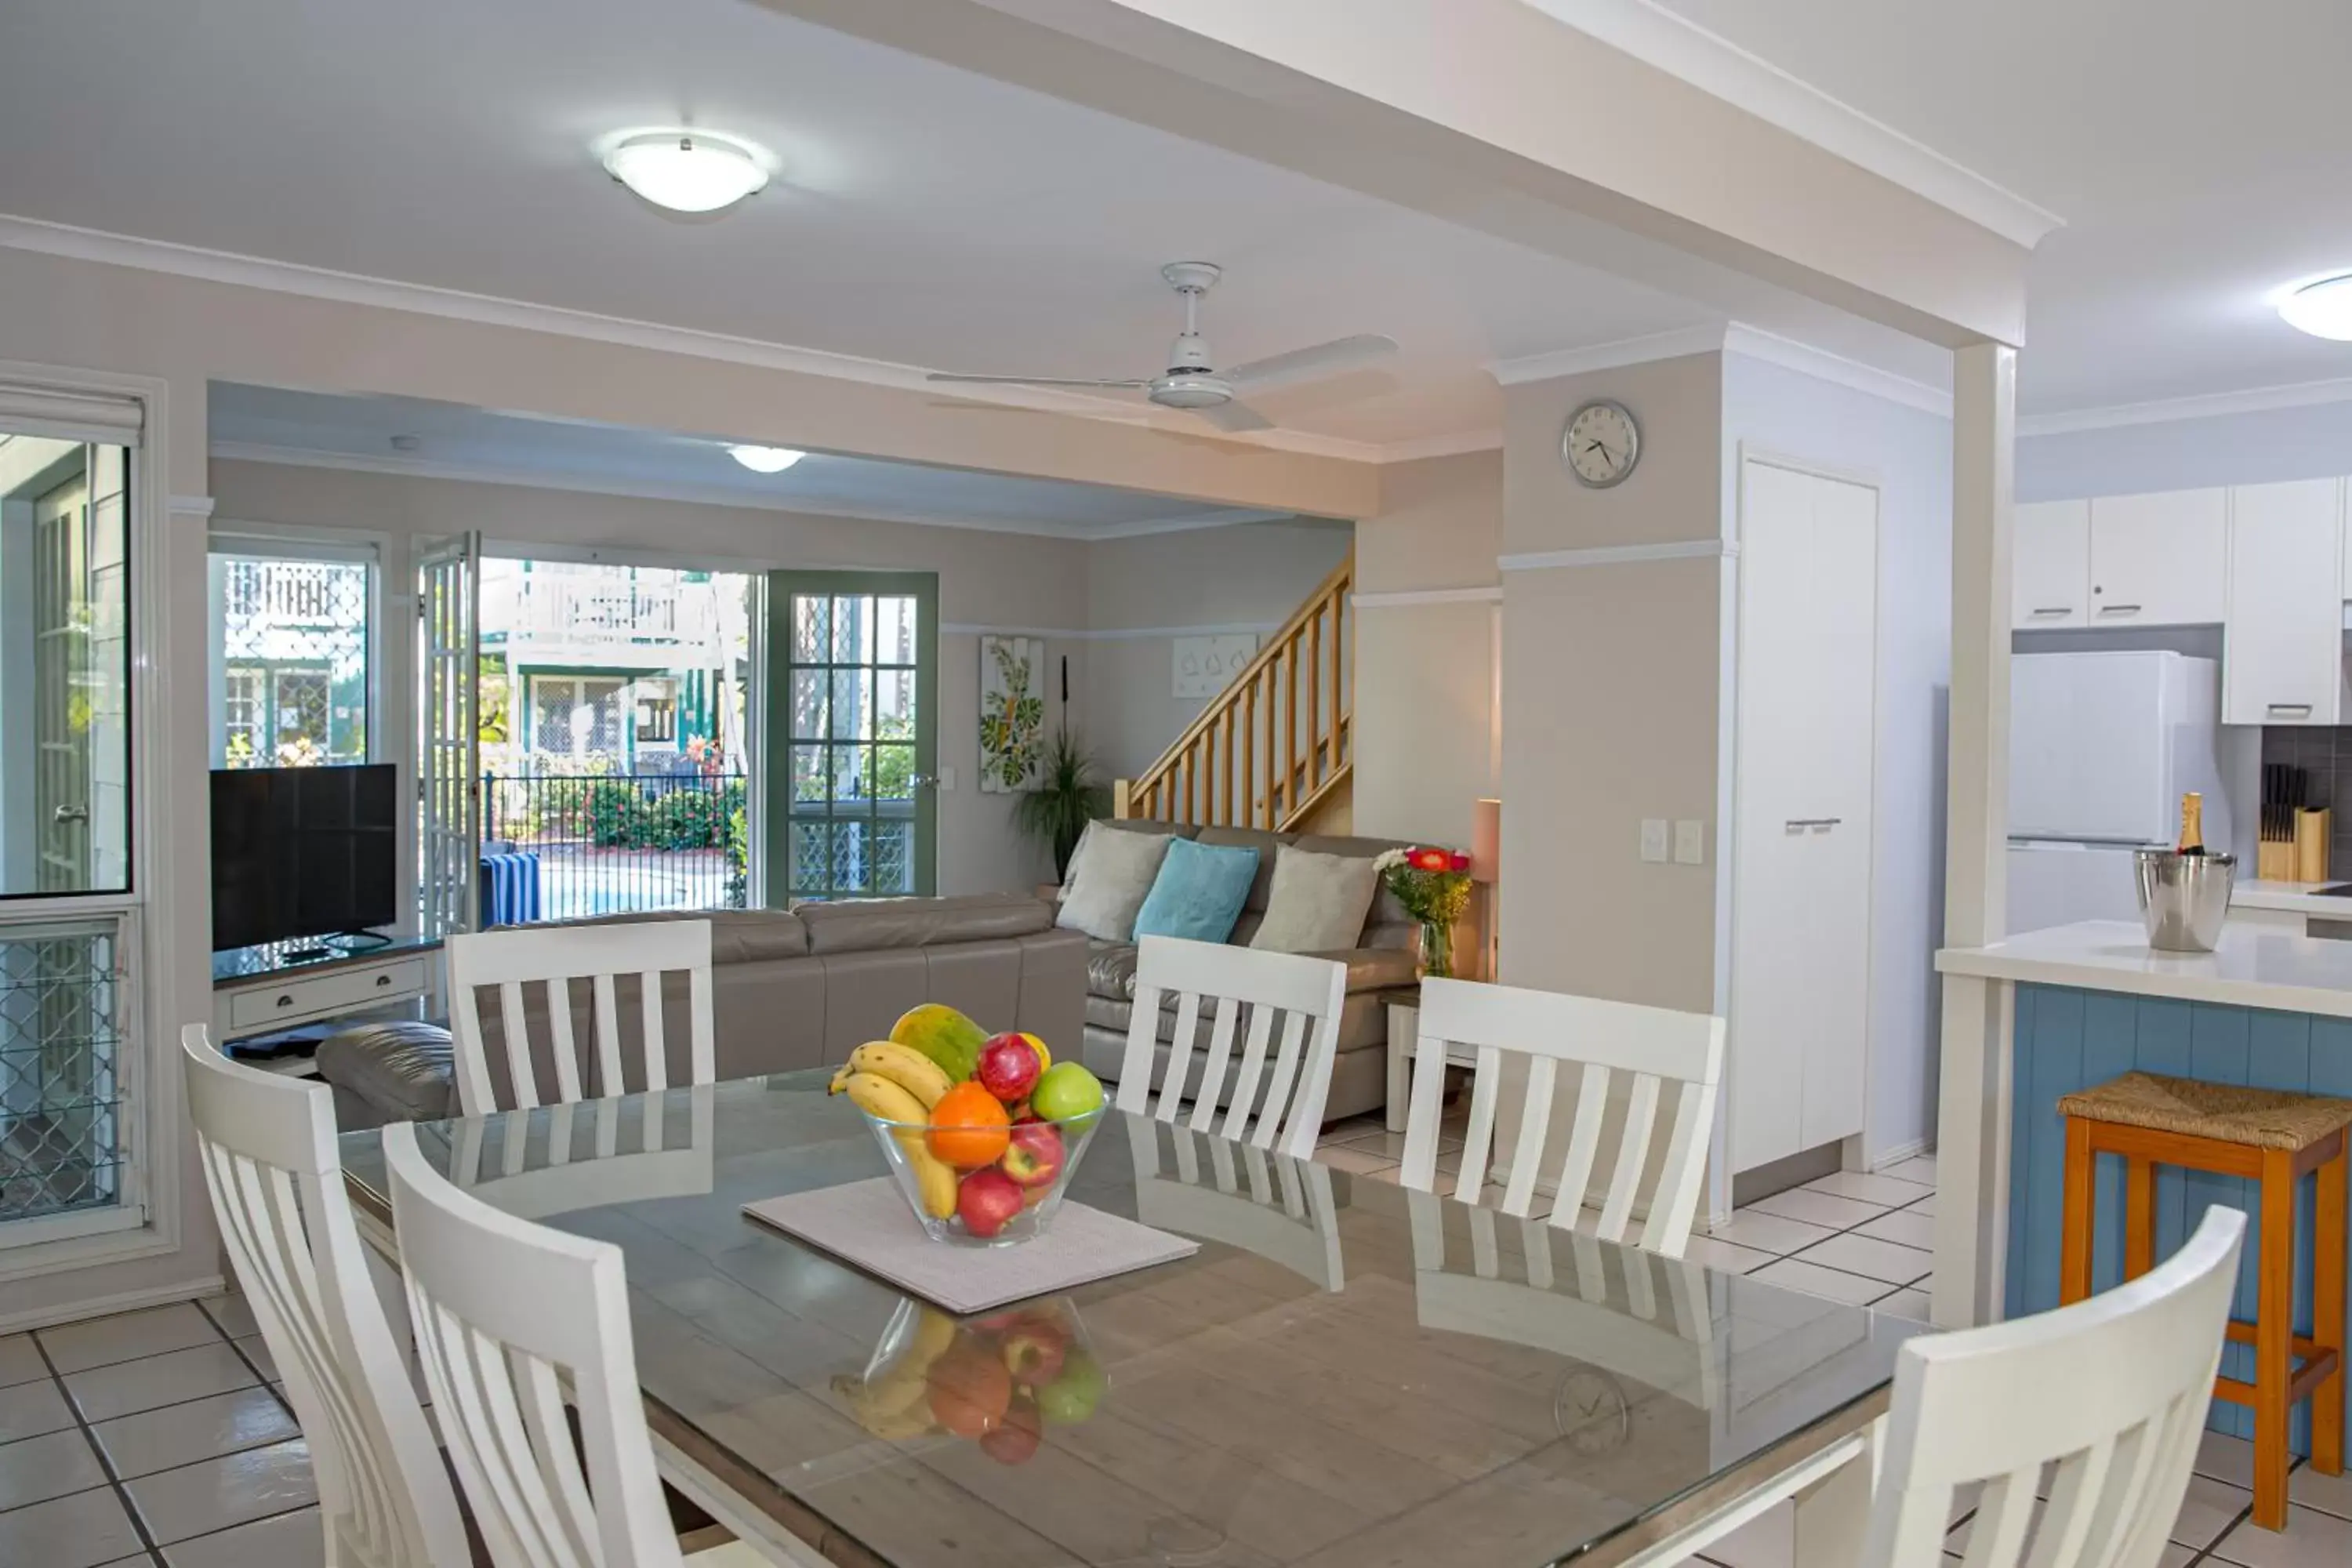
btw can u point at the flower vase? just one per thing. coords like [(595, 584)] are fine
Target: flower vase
[(1436, 950)]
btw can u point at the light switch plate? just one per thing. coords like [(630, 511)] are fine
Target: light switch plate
[(1653, 839), (1690, 841), (947, 776)]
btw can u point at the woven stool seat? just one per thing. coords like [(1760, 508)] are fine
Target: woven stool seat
[(2226, 1113)]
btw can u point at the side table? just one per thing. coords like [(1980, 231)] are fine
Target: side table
[(1404, 1036)]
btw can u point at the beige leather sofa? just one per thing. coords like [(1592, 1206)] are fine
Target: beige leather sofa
[(1381, 968), (789, 991)]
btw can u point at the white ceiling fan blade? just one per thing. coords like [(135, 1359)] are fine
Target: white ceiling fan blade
[(1235, 416), (1323, 359), (1032, 381)]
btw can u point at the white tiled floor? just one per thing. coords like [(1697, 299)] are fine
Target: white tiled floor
[(1866, 1239)]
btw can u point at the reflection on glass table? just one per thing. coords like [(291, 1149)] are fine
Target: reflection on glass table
[(1278, 1207)]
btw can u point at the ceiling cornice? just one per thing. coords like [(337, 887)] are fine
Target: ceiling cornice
[(1686, 341), (2208, 405), (701, 495), (1823, 365), (36, 234), (1715, 66)]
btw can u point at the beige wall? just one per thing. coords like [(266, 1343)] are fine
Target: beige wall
[(1611, 681), (1143, 591), (1427, 731)]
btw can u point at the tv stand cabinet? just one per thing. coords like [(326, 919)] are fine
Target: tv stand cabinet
[(262, 990)]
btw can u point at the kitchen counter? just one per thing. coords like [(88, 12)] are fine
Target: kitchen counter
[(2045, 1014), (2251, 968), (2290, 898)]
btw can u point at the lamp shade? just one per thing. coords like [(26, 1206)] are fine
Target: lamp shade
[(1485, 840)]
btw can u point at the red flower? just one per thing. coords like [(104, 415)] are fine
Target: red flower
[(1457, 861), (1430, 860)]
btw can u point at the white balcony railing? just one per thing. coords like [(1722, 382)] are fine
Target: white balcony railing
[(555, 610)]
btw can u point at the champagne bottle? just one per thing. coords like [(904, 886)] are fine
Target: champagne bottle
[(2192, 824)]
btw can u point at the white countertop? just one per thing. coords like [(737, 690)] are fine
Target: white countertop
[(2297, 897), (2253, 968)]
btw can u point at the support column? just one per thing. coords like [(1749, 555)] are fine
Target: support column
[(1971, 1231)]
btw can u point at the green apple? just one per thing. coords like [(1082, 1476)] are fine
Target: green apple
[(1071, 1397), (1065, 1090)]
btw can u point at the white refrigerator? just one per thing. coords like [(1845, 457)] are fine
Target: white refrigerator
[(2102, 747)]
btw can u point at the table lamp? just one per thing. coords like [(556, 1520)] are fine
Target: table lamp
[(1486, 869)]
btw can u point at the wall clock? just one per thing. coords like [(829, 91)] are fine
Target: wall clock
[(1603, 443)]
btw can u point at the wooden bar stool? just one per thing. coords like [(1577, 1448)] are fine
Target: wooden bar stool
[(2267, 1136)]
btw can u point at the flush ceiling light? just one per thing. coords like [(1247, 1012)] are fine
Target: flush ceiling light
[(766, 460), (687, 171), (2323, 309)]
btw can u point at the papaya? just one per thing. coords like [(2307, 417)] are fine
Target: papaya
[(944, 1035)]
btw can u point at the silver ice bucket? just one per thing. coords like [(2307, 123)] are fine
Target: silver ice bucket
[(2184, 898)]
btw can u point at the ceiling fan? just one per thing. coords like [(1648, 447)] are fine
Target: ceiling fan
[(1192, 382)]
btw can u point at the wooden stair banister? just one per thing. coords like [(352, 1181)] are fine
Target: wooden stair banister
[(1276, 742)]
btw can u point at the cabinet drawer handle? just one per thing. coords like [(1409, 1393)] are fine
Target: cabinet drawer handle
[(383, 980), (285, 1001), (2119, 609), (2291, 710), (1794, 823), (2052, 610)]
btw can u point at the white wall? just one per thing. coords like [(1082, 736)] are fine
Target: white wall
[(1908, 453), (2310, 443), (1141, 592)]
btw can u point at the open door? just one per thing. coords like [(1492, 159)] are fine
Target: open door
[(851, 735), (448, 761)]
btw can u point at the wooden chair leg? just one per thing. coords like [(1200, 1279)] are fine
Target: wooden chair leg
[(2273, 1326), (2327, 1309), (2074, 1231), (2140, 1216)]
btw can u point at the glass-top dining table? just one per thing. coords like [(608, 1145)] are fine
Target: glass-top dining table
[(1345, 1373)]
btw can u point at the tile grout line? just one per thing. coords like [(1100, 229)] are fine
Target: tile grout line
[(275, 1390), (122, 1499)]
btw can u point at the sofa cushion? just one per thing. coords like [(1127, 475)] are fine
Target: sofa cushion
[(1385, 908), (1110, 969), (1199, 891), (1319, 902), (737, 936), (855, 925), (1267, 845), (1111, 873), (399, 1071)]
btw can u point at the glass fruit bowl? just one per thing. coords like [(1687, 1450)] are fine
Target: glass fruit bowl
[(986, 1185)]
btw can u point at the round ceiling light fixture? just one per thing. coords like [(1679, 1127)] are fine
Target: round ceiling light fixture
[(766, 460), (2323, 309), (687, 171)]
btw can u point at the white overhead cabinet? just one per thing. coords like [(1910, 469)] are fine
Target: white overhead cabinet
[(1807, 691), (2159, 560), (2051, 564), (2282, 638)]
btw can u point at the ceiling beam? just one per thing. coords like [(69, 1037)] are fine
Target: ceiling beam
[(1503, 118)]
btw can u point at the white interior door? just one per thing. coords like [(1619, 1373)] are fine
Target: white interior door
[(1806, 726), (448, 759)]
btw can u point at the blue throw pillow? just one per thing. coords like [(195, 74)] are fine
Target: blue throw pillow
[(1199, 893)]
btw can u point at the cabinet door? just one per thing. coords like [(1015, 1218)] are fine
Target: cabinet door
[(2051, 564), (2159, 560), (2282, 642)]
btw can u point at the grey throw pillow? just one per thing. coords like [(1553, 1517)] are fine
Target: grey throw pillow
[(1317, 903), (1111, 872)]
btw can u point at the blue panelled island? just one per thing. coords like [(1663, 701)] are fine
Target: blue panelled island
[(2044, 1013)]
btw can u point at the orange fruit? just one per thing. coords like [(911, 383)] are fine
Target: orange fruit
[(969, 1390), (969, 1126)]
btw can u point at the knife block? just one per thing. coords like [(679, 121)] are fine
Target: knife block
[(2311, 846), (2274, 860)]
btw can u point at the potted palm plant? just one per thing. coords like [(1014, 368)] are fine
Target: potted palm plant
[(1067, 797)]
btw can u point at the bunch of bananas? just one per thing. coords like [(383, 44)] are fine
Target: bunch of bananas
[(898, 1083), (891, 1404)]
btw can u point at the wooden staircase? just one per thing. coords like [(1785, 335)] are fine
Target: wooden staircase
[(1273, 750)]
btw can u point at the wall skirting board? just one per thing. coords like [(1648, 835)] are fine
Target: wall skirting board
[(121, 1301)]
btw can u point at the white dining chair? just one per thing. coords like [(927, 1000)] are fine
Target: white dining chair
[(1272, 1105), (551, 958), (1657, 1049), (268, 1147), (515, 1321), (2108, 1396), (1277, 1207)]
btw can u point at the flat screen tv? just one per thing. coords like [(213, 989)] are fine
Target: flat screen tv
[(304, 852)]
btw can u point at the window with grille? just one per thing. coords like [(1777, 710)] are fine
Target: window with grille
[(290, 661), (62, 1144), (579, 716)]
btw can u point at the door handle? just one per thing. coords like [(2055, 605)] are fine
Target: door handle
[(2052, 610), (2119, 609), (923, 781), (71, 814), (1795, 823), (2290, 710)]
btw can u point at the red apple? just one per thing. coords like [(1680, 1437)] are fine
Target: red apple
[(1034, 1352), (1016, 1439), (987, 1200), (1008, 1068), (1033, 1153)]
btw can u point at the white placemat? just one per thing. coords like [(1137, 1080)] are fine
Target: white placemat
[(869, 1224)]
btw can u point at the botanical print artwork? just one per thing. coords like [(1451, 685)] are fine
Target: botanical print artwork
[(1011, 713)]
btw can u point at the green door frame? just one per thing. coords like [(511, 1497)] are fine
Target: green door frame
[(778, 742)]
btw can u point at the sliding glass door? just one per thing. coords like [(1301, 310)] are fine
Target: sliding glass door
[(852, 734)]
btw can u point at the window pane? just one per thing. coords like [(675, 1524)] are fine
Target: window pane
[(291, 661), (894, 640), (893, 858), (852, 773), (812, 629), (849, 705), (853, 630), (808, 773), (809, 688), (61, 1134), (64, 770), (894, 773)]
